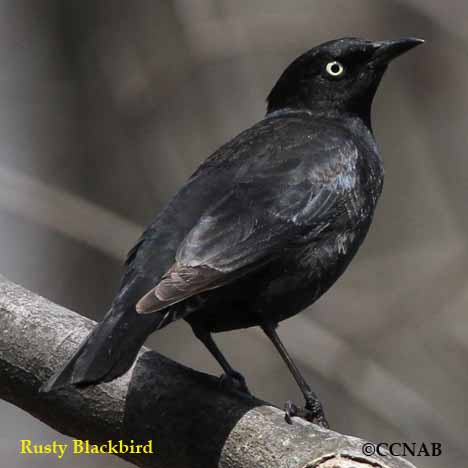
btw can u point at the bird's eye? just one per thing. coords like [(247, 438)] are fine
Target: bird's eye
[(334, 69)]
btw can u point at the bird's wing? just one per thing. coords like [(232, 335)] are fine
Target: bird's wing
[(272, 204)]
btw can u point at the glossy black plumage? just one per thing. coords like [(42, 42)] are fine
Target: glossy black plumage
[(288, 208), (265, 225)]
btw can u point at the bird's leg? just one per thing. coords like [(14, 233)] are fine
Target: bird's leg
[(313, 410), (231, 377)]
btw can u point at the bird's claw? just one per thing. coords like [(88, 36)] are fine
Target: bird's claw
[(315, 408), (290, 410), (312, 412), (234, 381)]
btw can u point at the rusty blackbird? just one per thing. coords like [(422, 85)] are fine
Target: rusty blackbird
[(263, 227)]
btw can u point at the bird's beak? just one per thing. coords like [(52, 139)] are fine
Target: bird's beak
[(386, 51)]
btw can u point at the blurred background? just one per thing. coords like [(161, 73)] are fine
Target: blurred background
[(106, 107)]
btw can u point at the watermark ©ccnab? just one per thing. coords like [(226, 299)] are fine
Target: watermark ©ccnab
[(403, 449)]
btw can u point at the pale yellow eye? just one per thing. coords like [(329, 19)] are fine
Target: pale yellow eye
[(334, 69)]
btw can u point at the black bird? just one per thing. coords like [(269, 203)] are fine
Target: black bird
[(263, 227)]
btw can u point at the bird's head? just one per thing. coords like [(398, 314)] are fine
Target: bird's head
[(337, 76)]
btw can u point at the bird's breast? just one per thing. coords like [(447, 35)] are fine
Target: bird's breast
[(304, 274)]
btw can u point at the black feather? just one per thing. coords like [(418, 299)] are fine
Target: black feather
[(266, 224)]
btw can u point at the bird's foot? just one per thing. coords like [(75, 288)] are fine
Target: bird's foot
[(234, 381), (312, 411)]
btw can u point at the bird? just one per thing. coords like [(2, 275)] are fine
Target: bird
[(264, 226)]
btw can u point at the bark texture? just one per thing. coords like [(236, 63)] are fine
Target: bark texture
[(192, 421)]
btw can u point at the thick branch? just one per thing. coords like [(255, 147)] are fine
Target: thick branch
[(192, 421)]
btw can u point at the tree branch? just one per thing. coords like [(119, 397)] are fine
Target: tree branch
[(192, 422), (87, 222)]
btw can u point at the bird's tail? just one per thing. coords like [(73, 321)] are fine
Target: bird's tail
[(108, 352)]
